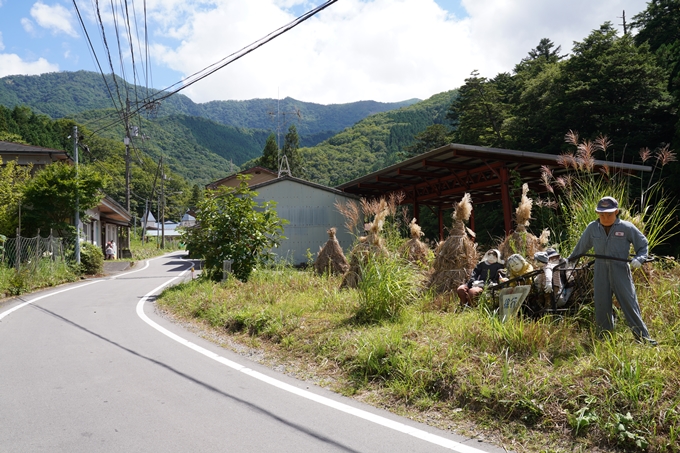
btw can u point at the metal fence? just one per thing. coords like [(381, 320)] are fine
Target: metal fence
[(21, 252)]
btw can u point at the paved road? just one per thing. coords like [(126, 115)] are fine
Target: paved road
[(89, 367)]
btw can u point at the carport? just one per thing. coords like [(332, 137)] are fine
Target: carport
[(439, 178)]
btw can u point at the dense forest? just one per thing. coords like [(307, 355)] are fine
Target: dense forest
[(106, 156), (625, 87), (66, 94)]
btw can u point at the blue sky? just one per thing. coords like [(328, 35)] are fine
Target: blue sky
[(384, 50)]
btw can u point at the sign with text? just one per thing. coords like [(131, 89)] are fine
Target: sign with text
[(511, 299)]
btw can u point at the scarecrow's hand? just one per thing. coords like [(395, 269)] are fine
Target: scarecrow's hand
[(635, 264)]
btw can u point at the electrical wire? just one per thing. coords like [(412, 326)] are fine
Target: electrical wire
[(211, 69)]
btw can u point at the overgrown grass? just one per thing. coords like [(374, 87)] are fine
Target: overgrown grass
[(45, 274), (145, 250), (538, 385)]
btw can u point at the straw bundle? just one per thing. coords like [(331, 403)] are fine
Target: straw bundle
[(372, 244), (457, 256), (521, 241), (331, 257), (414, 249)]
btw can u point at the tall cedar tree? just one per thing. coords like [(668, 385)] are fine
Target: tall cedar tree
[(291, 149), (270, 154)]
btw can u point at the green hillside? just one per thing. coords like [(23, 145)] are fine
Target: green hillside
[(62, 94), (193, 147), (374, 142)]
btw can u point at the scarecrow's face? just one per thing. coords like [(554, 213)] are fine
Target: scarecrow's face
[(607, 218), (516, 263)]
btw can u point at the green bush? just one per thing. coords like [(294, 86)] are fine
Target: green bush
[(91, 259), (231, 225)]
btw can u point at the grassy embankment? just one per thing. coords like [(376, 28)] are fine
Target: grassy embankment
[(530, 385)]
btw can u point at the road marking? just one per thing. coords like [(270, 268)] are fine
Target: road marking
[(377, 419), (13, 309)]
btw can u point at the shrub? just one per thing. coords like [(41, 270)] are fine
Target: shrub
[(231, 225), (91, 259)]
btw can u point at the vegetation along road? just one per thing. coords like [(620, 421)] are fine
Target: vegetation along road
[(91, 367)]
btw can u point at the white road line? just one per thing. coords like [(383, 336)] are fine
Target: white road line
[(397, 426), (70, 288)]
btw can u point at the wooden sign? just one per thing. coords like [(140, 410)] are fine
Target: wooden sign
[(511, 299)]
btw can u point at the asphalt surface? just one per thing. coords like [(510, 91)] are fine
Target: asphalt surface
[(90, 367)]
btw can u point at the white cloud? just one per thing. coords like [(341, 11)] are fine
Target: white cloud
[(11, 64), (55, 18), (27, 24), (386, 50)]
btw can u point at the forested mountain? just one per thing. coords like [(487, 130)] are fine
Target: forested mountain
[(198, 149), (63, 94), (374, 142)]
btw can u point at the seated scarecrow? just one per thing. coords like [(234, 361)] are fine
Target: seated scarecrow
[(485, 272), (517, 266)]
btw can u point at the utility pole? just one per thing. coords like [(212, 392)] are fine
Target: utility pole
[(126, 140), (77, 218), (162, 205)]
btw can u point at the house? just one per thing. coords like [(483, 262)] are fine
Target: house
[(257, 175), (167, 230), (104, 223), (108, 221), (311, 212), (28, 154)]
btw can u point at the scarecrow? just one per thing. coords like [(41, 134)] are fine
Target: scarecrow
[(521, 241), (414, 249), (516, 266), (371, 244), (331, 257), (457, 256)]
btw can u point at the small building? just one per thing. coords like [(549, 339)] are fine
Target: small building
[(107, 221), (257, 175), (31, 155), (167, 229), (311, 212)]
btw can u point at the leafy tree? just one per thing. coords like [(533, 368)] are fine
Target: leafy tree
[(615, 88), (231, 225), (13, 179), (432, 137), (270, 154), (479, 112), (659, 27), (50, 197)]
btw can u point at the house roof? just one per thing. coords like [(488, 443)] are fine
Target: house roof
[(29, 154), (304, 182), (113, 212), (442, 176), (261, 171)]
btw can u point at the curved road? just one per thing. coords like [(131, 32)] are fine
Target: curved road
[(89, 367)]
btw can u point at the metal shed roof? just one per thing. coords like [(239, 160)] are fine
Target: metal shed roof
[(442, 176)]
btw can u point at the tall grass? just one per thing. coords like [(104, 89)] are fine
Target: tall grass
[(539, 385), (45, 273), (577, 193)]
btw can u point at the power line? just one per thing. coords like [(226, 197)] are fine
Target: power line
[(149, 101)]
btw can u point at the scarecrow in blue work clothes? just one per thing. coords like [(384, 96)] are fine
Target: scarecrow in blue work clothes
[(612, 237)]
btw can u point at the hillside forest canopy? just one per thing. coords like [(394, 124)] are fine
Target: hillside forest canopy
[(625, 87)]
